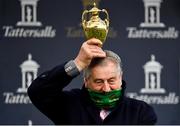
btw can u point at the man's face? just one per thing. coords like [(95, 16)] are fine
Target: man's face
[(104, 78)]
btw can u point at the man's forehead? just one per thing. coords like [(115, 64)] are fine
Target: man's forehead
[(108, 75), (110, 67)]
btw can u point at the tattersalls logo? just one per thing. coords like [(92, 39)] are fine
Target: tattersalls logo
[(153, 93), (77, 31), (152, 27), (29, 70), (29, 26)]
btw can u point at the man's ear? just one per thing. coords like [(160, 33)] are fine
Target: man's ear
[(85, 82), (121, 80)]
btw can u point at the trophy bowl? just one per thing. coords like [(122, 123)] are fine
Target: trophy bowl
[(95, 27)]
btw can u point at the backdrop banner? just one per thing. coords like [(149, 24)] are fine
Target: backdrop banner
[(36, 35)]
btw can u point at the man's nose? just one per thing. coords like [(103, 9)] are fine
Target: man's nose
[(106, 87)]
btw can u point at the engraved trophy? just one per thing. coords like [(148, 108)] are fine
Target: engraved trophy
[(93, 25)]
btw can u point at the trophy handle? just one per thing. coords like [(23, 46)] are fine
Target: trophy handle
[(83, 18), (107, 19)]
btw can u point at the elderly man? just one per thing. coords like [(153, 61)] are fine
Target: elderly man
[(101, 99)]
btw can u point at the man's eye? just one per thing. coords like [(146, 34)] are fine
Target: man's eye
[(98, 81), (111, 81)]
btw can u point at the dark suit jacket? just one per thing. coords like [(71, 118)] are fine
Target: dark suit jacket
[(75, 107)]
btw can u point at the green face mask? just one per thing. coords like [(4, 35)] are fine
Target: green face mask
[(105, 99)]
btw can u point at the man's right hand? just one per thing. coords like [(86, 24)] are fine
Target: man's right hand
[(89, 50)]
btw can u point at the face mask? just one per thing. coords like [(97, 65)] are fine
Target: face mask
[(105, 99)]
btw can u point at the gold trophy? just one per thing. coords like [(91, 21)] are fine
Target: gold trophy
[(95, 27)]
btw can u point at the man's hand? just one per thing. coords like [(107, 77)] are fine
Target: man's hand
[(89, 50)]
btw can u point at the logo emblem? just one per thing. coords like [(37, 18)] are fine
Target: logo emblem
[(29, 26), (152, 14), (29, 69), (29, 13), (152, 27), (152, 70), (153, 93)]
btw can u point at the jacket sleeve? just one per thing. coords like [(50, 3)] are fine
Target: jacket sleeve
[(46, 92)]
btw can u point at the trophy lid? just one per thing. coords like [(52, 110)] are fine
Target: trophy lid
[(94, 10)]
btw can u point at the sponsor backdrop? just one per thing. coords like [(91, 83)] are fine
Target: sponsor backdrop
[(36, 35)]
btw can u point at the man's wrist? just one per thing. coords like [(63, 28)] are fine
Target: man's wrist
[(79, 64), (71, 68)]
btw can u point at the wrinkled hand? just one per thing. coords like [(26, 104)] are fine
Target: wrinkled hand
[(89, 50)]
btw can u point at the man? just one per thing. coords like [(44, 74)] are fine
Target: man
[(101, 99)]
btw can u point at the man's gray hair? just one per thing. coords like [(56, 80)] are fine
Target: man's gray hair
[(110, 56)]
